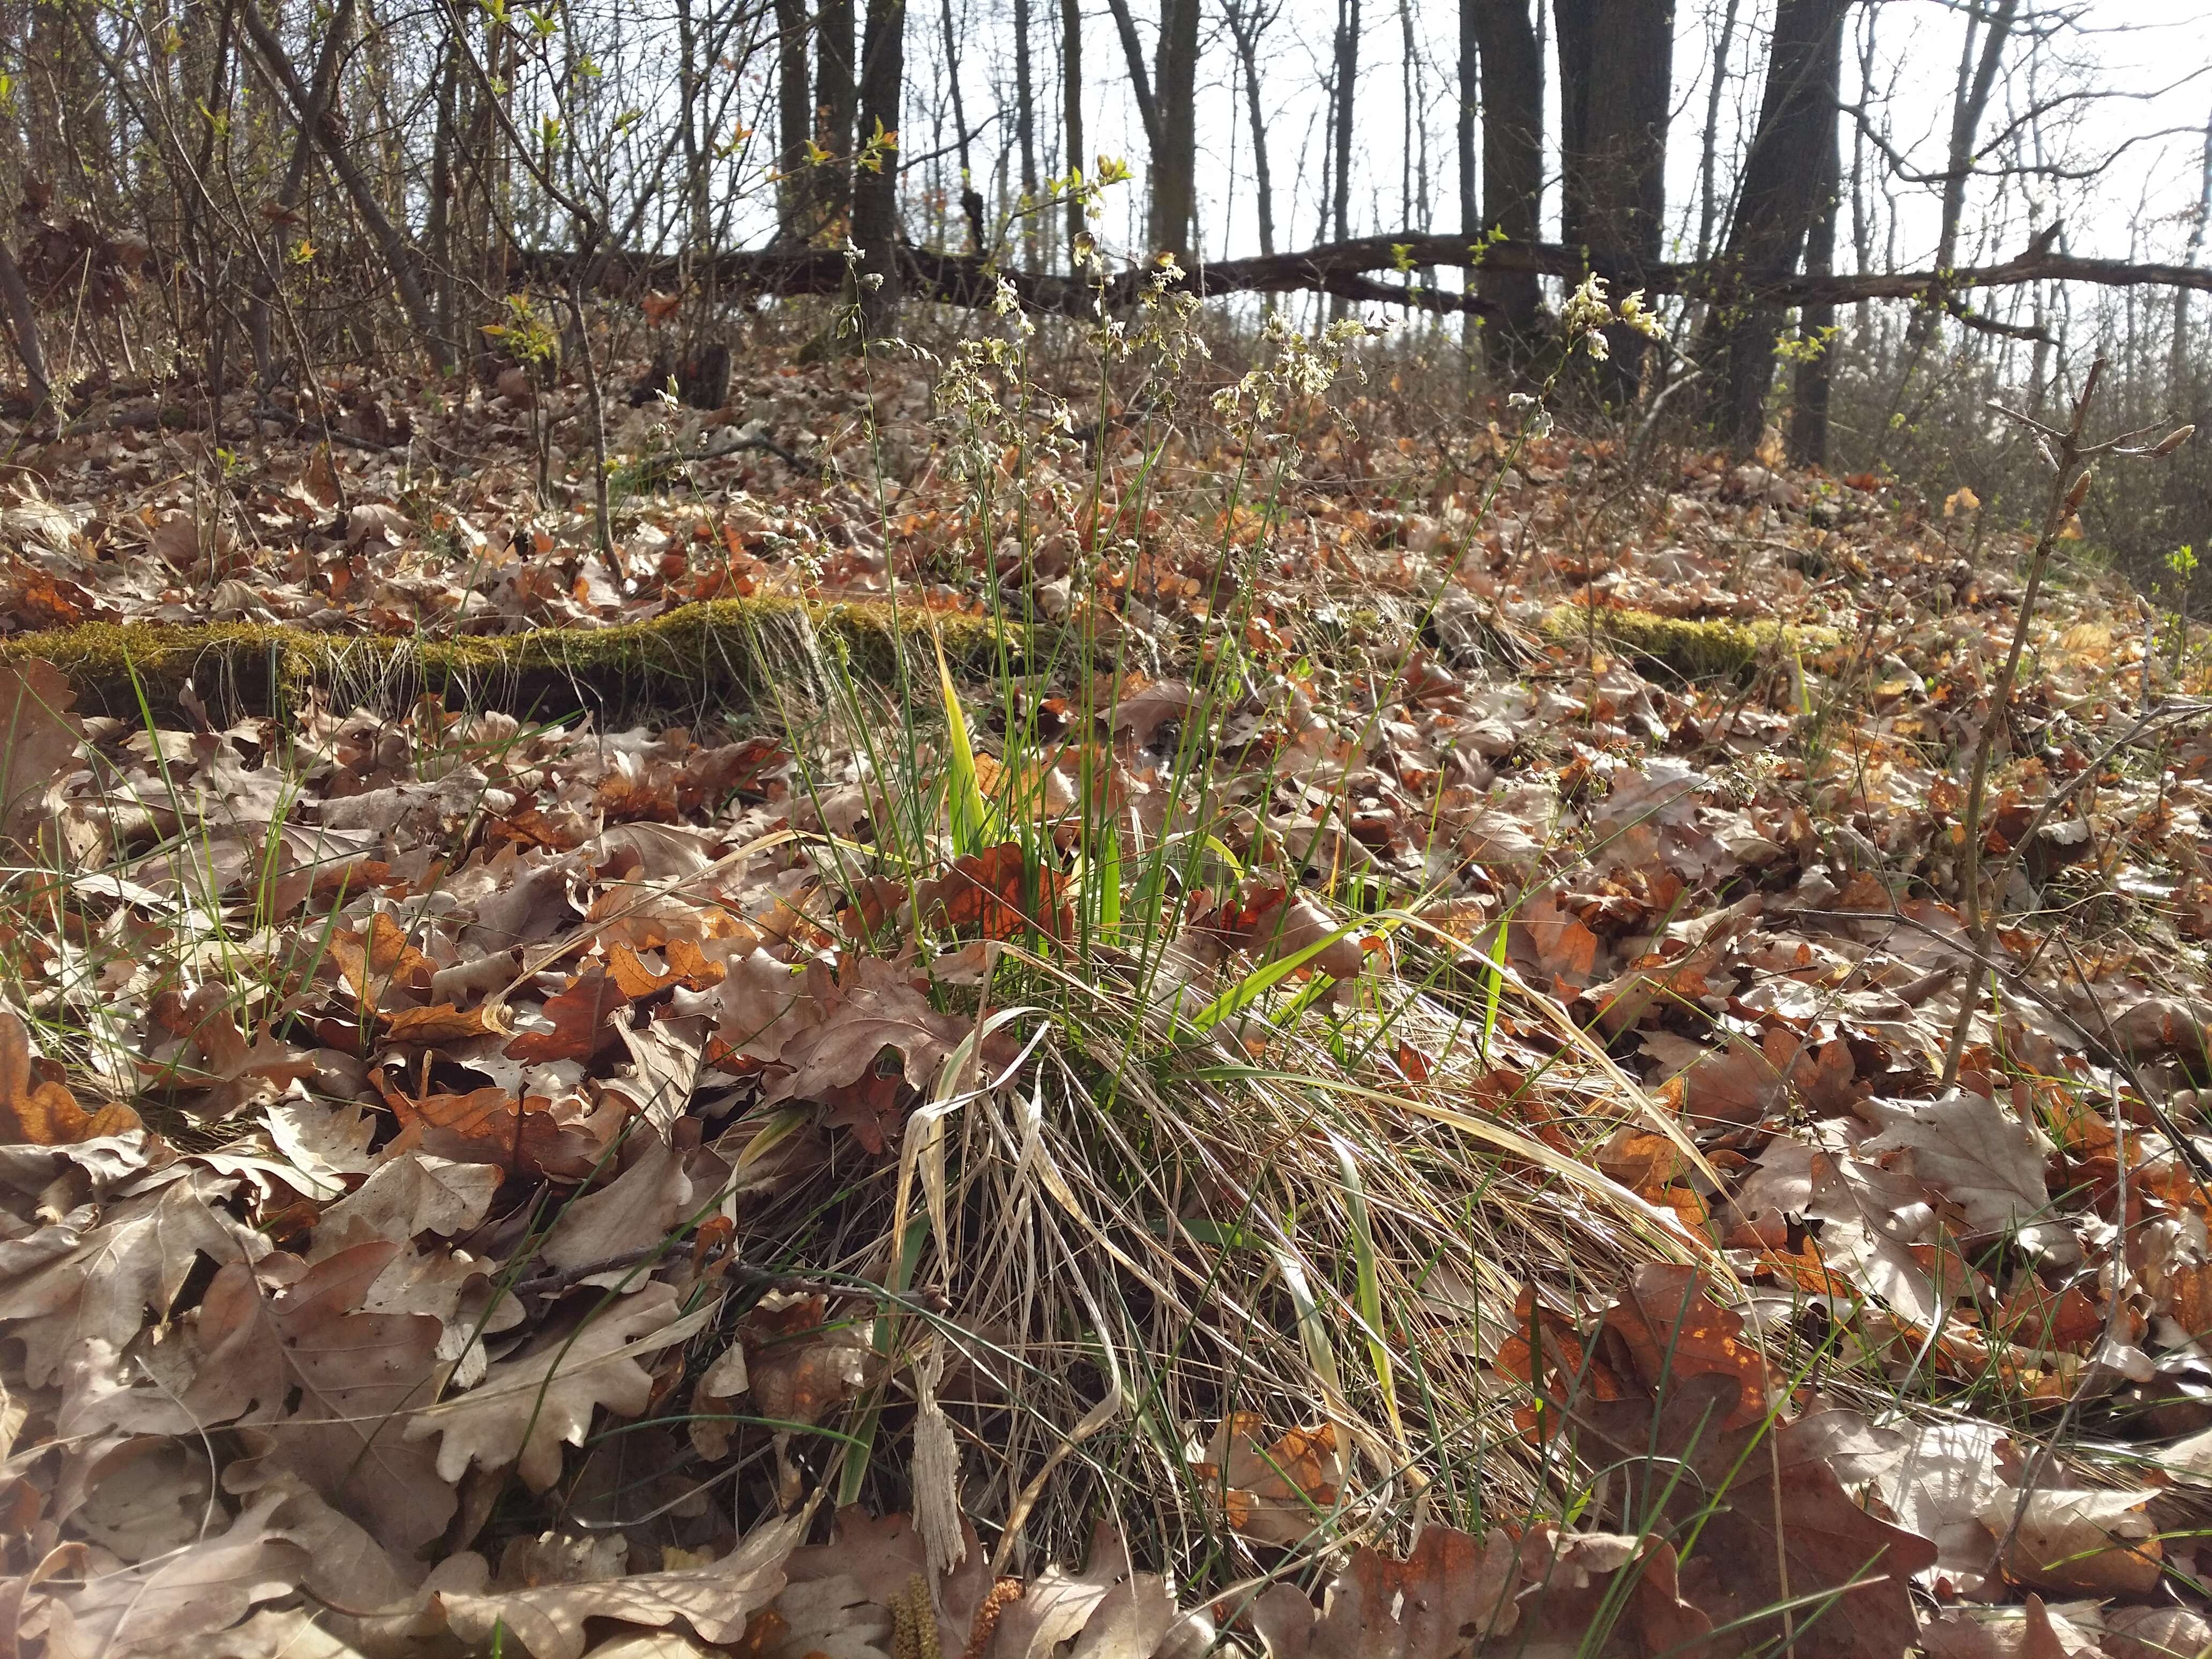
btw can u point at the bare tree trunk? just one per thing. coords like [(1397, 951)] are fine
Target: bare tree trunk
[(794, 124), (1709, 152), (1816, 322), (399, 256), (1977, 74), (23, 322), (875, 186), (1512, 168), (1140, 82), (2180, 386), (1783, 181), (1175, 160), (1245, 28), (1463, 126), (1071, 52), (1347, 86), (971, 200), (1575, 26), (836, 95), (1616, 176), (1026, 129)]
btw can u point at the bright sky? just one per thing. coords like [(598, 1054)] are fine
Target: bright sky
[(2155, 51)]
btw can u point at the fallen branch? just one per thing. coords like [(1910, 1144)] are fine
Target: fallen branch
[(1344, 268)]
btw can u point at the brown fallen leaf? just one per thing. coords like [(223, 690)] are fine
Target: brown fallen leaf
[(1603, 1592), (716, 1602), (445, 1023), (997, 893), (1677, 1425), (379, 964), (1453, 1590), (207, 1586), (1280, 1493), (491, 1126), (1983, 1158), (800, 1366), (39, 742), (873, 1007), (42, 1111), (321, 1390), (234, 1074), (581, 1023), (527, 1407)]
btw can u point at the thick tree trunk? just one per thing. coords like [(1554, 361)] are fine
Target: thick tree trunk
[(794, 114), (875, 186), (1816, 322), (1512, 168), (1791, 157), (836, 102), (1575, 27), (1623, 163), (1175, 164)]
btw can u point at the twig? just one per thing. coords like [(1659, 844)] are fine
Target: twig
[(2069, 485), (2189, 1151)]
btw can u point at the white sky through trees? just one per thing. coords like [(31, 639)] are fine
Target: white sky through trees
[(2128, 80)]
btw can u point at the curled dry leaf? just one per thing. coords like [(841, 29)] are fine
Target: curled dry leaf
[(42, 1111), (1454, 1591), (1282, 1493), (716, 1602), (527, 1407), (207, 1586), (38, 741)]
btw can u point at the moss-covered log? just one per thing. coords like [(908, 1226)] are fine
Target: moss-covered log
[(1690, 649), (697, 658)]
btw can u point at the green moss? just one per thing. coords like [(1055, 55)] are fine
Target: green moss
[(696, 656), (1692, 650)]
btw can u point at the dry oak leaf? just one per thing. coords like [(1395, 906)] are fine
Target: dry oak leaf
[(445, 1023), (1571, 1600), (635, 1210), (872, 1008), (1454, 1591), (207, 1587), (581, 1025), (1109, 1610), (2079, 1542), (1772, 1505), (716, 1601), (379, 961), (798, 1364), (139, 1257), (322, 1390), (1277, 1493), (43, 1111), (38, 740), (1673, 1330), (999, 893), (1983, 1158), (527, 1407), (234, 1073), (2002, 1634), (491, 1126)]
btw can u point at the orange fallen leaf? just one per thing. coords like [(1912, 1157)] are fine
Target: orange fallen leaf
[(43, 1111)]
